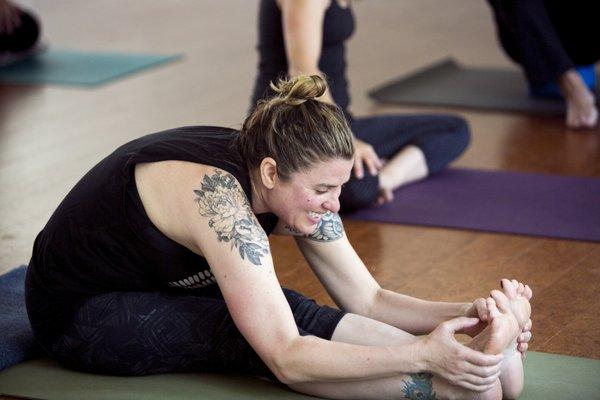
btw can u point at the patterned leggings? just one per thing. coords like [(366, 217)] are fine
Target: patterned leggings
[(140, 333)]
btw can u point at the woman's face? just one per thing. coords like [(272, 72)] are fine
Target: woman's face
[(302, 200)]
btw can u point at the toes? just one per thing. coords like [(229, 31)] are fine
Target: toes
[(501, 300), (510, 289), (528, 293), (492, 309), (520, 289)]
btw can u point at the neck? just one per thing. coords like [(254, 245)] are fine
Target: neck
[(258, 203)]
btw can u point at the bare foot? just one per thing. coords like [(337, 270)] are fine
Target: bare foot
[(581, 103), (503, 328), (516, 296)]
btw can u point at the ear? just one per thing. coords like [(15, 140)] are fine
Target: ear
[(268, 172)]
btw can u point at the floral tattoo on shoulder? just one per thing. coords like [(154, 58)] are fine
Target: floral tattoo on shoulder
[(222, 201)]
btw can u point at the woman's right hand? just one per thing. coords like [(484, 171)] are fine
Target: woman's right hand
[(446, 357)]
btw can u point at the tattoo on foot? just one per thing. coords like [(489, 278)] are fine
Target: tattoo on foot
[(330, 228), (419, 387), (231, 216)]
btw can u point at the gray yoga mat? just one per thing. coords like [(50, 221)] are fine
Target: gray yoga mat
[(67, 67), (547, 377), (497, 201), (447, 83)]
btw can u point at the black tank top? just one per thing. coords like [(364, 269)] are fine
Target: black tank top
[(338, 26), (100, 238)]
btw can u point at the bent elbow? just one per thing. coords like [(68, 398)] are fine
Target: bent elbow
[(285, 371), (286, 364)]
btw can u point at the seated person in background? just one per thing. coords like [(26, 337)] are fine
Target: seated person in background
[(556, 43), (308, 37), (159, 261), (19, 33)]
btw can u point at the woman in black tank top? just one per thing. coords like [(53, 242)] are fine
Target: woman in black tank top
[(158, 261), (308, 37)]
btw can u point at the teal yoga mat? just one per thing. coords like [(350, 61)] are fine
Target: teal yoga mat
[(67, 67), (547, 377)]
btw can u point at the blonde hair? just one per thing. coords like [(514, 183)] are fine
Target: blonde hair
[(294, 128)]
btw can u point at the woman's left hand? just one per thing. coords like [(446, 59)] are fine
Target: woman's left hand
[(477, 309), (364, 153)]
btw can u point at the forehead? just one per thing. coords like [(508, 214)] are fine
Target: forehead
[(332, 172)]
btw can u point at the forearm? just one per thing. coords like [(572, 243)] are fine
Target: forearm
[(413, 315), (310, 359)]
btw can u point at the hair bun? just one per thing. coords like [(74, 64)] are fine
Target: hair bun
[(297, 90)]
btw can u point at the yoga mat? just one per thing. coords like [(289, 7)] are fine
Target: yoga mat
[(447, 83), (547, 377), (44, 379), (16, 340), (496, 201), (67, 67)]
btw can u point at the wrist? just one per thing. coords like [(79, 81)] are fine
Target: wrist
[(419, 356)]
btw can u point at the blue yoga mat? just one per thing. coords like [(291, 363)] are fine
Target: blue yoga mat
[(496, 201), (16, 340), (78, 68)]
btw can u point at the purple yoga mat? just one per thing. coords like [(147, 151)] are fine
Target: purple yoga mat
[(494, 201)]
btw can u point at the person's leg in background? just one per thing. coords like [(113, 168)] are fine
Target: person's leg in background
[(549, 40), (414, 146), (19, 32)]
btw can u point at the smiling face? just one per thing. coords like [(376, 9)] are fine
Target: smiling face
[(302, 200)]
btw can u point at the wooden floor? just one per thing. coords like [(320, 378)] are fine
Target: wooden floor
[(50, 136)]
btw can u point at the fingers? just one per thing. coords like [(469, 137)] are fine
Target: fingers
[(524, 337), (522, 347), (372, 161), (365, 154), (482, 360), (482, 309), (459, 323), (474, 388), (358, 167)]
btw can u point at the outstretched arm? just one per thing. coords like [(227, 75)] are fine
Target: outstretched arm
[(354, 289), (219, 224)]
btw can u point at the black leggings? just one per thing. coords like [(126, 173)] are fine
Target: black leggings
[(547, 37), (24, 37), (441, 138), (140, 333)]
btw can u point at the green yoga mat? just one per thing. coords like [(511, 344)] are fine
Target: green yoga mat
[(67, 67), (547, 377)]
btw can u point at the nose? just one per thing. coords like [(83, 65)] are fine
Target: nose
[(333, 203)]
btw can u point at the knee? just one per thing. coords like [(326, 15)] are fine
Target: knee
[(447, 144), (459, 134)]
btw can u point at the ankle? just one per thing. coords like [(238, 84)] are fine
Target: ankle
[(571, 84)]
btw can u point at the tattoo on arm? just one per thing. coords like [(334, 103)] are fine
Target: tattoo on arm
[(418, 387), (223, 201), (330, 228)]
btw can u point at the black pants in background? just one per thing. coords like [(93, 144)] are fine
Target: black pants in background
[(441, 138), (548, 37)]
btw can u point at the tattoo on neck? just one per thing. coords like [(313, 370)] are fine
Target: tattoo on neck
[(330, 228), (220, 199), (419, 387)]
